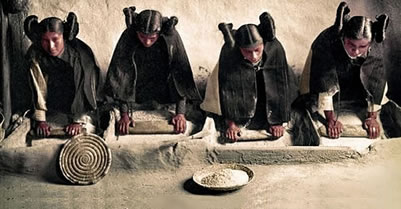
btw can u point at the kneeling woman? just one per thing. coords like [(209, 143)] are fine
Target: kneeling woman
[(252, 85), (63, 74), (344, 74)]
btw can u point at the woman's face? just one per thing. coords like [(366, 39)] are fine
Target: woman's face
[(356, 48), (53, 43), (147, 39), (253, 54)]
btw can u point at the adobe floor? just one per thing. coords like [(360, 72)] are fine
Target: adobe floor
[(372, 181), (155, 172)]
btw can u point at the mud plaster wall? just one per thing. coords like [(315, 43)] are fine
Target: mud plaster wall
[(297, 22)]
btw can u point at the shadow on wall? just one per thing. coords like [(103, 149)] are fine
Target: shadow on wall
[(15, 95), (20, 93)]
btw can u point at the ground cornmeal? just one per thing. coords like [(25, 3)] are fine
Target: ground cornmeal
[(226, 178)]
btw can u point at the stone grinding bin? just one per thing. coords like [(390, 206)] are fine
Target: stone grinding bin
[(157, 121), (152, 122), (85, 159)]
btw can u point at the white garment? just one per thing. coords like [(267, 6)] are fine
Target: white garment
[(211, 103)]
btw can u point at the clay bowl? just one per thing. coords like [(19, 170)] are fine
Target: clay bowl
[(199, 176)]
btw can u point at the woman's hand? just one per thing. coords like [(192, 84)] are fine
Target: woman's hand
[(372, 126), (179, 123), (73, 129), (233, 131), (334, 127), (277, 131), (124, 123), (42, 129)]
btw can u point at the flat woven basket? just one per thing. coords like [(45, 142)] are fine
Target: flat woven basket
[(85, 159)]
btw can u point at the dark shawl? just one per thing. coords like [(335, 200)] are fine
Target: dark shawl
[(122, 73), (329, 58), (238, 89), (86, 72)]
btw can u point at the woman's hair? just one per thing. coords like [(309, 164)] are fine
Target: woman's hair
[(34, 30), (149, 21), (358, 27), (248, 36), (51, 24)]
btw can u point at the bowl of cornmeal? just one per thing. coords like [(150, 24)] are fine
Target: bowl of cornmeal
[(224, 177)]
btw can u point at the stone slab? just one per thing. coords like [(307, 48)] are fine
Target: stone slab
[(161, 153), (166, 151)]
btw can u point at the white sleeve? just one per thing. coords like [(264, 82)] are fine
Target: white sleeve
[(325, 100), (211, 102), (39, 86), (372, 107)]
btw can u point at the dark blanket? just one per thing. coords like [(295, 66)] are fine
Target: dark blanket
[(330, 61), (238, 84), (358, 80), (72, 77), (121, 85)]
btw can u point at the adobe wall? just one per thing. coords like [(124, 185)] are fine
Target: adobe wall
[(298, 23)]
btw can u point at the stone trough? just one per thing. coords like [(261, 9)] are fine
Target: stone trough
[(170, 151)]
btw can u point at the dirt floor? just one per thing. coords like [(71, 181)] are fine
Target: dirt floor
[(373, 181)]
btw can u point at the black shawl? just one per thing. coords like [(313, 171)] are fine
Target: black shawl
[(237, 82), (122, 73), (86, 72), (329, 57)]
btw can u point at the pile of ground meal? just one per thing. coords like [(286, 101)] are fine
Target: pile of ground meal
[(141, 115), (226, 178)]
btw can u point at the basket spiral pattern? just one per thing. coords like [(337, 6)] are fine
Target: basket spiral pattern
[(85, 159)]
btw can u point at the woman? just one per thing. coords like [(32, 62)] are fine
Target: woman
[(63, 73), (345, 72), (150, 64), (252, 85)]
